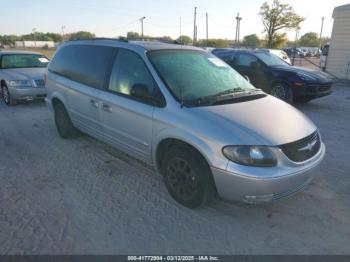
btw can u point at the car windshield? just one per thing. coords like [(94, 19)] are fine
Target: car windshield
[(270, 59), (23, 61), (191, 74)]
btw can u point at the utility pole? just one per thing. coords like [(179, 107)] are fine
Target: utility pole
[(207, 26), (62, 31), (295, 44), (141, 20), (238, 28), (321, 32), (195, 26), (34, 37), (180, 30)]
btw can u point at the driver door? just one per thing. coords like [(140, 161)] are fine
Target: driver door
[(250, 66), (126, 120)]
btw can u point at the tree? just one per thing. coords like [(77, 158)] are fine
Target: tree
[(133, 36), (251, 41), (80, 35), (310, 39), (276, 17), (184, 40), (218, 43), (280, 41), (54, 37), (9, 39)]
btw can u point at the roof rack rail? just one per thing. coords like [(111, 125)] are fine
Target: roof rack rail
[(121, 39)]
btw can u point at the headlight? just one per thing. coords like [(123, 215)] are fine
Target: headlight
[(306, 77), (20, 83), (260, 156)]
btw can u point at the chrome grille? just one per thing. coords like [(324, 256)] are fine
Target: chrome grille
[(302, 149)]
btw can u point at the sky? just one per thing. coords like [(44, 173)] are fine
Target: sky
[(111, 18)]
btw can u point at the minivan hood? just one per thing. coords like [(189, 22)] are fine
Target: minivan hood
[(269, 120), (24, 73)]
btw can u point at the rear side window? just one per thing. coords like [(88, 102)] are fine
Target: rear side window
[(245, 60), (85, 64)]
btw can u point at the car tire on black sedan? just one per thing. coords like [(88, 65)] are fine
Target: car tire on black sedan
[(282, 91)]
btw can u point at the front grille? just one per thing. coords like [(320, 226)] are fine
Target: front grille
[(39, 83), (320, 87), (302, 149)]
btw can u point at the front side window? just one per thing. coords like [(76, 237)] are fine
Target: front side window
[(192, 74), (271, 60), (24, 61), (128, 71)]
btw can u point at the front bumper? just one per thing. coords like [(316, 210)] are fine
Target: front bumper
[(28, 93), (314, 90), (265, 184)]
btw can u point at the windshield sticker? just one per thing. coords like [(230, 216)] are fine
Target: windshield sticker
[(43, 60), (217, 62)]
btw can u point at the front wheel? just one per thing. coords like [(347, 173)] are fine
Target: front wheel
[(187, 177), (7, 96), (283, 92)]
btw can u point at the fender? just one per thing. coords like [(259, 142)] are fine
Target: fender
[(210, 155)]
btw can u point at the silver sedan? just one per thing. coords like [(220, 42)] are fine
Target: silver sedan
[(22, 76)]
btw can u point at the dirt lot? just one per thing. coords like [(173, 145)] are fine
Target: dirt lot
[(82, 197)]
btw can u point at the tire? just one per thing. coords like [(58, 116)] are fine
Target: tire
[(7, 97), (63, 123), (187, 177), (282, 91)]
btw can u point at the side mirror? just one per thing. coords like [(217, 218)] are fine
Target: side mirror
[(140, 91), (247, 78)]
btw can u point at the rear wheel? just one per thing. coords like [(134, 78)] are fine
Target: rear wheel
[(63, 122), (187, 176), (6, 96), (283, 92)]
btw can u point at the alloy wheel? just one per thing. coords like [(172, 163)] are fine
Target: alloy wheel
[(279, 91), (181, 178)]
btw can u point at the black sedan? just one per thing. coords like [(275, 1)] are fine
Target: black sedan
[(271, 74)]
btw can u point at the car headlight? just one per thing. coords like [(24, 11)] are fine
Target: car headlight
[(259, 156), (306, 77), (20, 83)]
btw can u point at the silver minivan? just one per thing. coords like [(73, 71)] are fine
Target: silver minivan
[(188, 114)]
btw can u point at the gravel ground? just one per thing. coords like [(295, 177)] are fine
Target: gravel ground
[(83, 197)]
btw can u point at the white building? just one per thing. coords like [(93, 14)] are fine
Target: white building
[(338, 61), (34, 44)]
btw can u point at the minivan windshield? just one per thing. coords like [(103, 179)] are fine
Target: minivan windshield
[(270, 59), (23, 61), (192, 74)]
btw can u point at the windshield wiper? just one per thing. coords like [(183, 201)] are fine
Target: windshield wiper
[(229, 91), (222, 96)]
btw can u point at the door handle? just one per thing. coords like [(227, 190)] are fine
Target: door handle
[(94, 103), (107, 108)]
